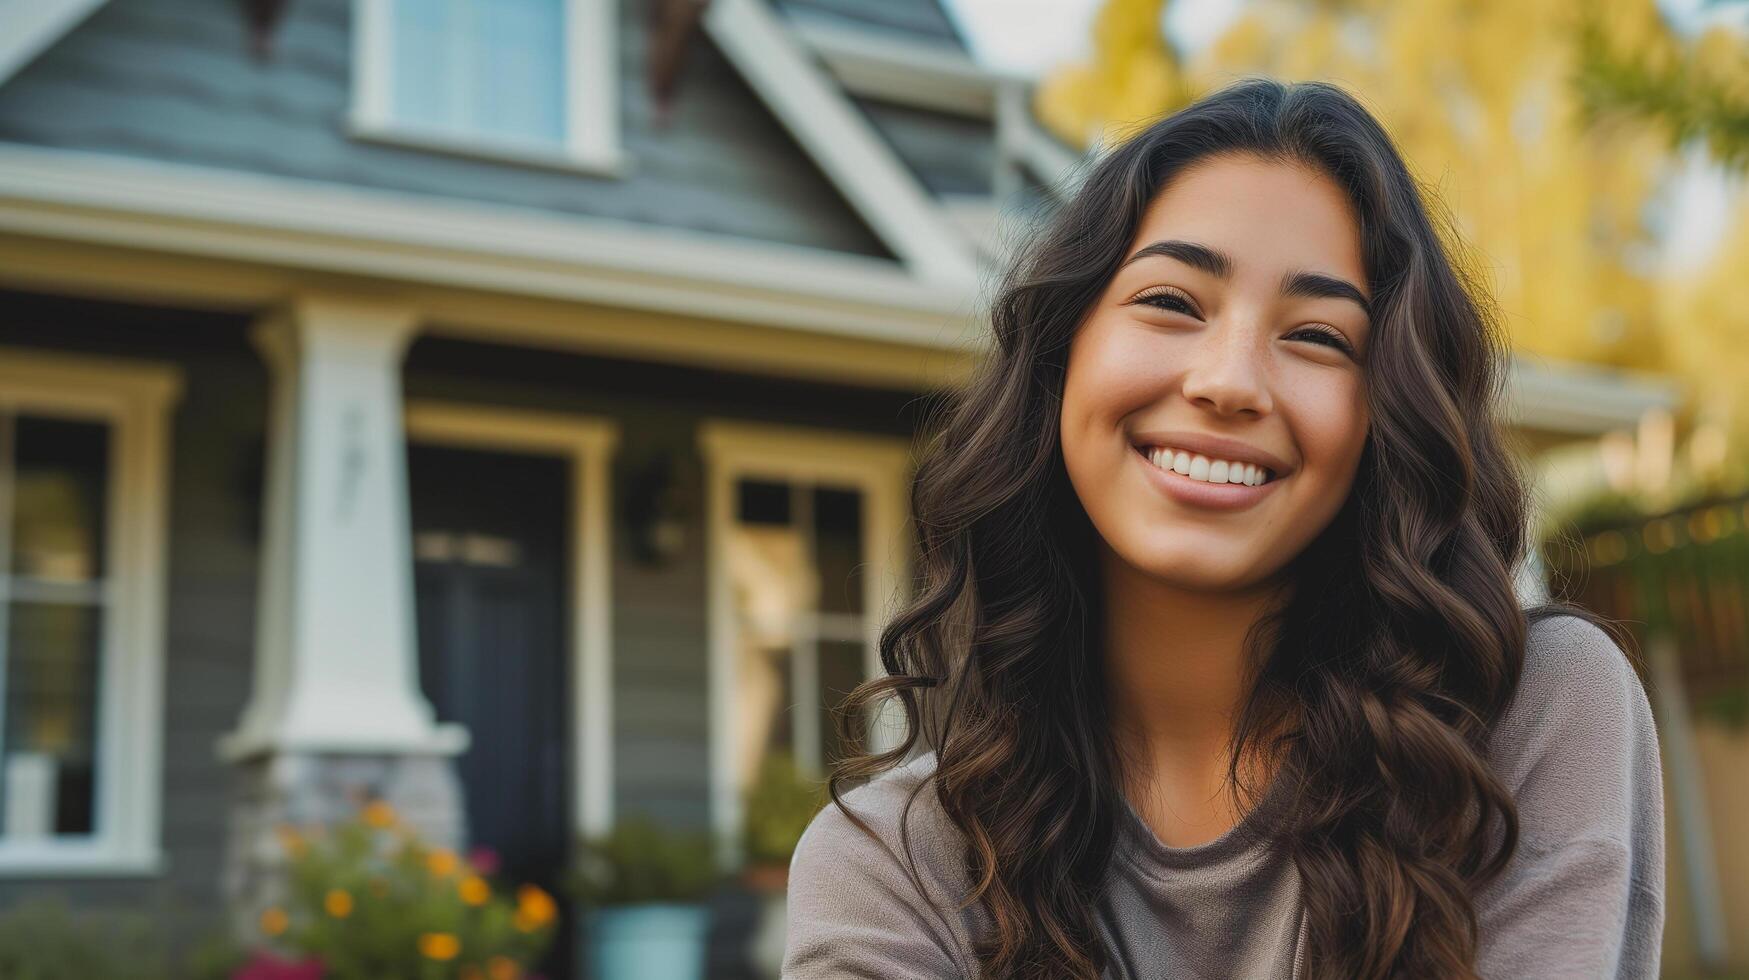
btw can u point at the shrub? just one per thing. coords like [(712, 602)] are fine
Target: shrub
[(368, 900), (642, 861), (44, 939), (780, 804)]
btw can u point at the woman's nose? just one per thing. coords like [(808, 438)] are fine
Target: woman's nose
[(1226, 371)]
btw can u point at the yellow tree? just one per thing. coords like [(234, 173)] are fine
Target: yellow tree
[(1478, 97)]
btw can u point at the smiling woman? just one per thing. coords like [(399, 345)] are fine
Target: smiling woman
[(1215, 667)]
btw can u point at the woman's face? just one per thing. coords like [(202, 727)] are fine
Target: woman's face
[(1231, 338)]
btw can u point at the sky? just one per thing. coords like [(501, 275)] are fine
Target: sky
[(1030, 37)]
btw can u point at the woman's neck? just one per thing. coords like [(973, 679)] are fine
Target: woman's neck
[(1176, 677)]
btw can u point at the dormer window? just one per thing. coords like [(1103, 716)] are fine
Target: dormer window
[(531, 81)]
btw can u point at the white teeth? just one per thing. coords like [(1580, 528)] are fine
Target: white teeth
[(1203, 469)]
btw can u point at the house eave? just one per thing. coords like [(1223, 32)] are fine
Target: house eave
[(330, 228)]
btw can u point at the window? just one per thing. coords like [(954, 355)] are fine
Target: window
[(81, 580), (527, 80), (807, 543)]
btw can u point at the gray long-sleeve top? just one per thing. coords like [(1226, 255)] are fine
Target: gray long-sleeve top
[(1583, 895)]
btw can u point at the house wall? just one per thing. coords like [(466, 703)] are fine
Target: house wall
[(215, 477), (661, 747), (173, 80), (660, 648)]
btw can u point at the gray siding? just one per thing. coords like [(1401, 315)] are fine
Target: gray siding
[(949, 154), (173, 80), (214, 512)]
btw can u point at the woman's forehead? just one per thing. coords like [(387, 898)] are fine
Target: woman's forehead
[(1267, 216)]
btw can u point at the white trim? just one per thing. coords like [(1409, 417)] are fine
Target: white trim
[(135, 399), (334, 228), (1573, 398), (894, 68), (881, 468), (336, 635), (591, 99), (857, 160), (588, 443), (29, 27)]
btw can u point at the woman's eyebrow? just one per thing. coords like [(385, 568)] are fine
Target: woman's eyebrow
[(1315, 285), (1210, 260)]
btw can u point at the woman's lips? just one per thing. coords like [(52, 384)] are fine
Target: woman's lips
[(1197, 493)]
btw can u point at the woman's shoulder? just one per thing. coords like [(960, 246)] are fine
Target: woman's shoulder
[(881, 901), (1577, 745), (898, 808)]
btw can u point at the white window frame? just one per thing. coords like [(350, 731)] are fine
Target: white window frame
[(135, 399), (591, 66), (879, 467)]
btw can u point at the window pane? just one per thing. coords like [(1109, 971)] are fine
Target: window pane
[(47, 771), (771, 587), (762, 502), (481, 67), (59, 498), (838, 548), (840, 672)]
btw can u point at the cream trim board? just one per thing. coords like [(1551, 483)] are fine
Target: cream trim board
[(591, 97), (588, 443), (858, 161), (881, 467), (30, 27), (135, 399)]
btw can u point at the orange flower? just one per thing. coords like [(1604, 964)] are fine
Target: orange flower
[(292, 841), (439, 946), (274, 920), (534, 908), (442, 863), (338, 903), (474, 890), (379, 814), (502, 968)]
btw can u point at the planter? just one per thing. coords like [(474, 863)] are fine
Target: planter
[(769, 884), (655, 941)]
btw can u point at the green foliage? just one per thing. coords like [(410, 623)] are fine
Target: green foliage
[(780, 804), (44, 939), (1676, 93), (642, 861), (1729, 707), (371, 901)]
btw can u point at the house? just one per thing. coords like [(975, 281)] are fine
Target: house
[(390, 404)]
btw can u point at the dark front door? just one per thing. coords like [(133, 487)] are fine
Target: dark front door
[(489, 533)]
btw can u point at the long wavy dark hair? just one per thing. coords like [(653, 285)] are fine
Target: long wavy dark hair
[(1376, 684)]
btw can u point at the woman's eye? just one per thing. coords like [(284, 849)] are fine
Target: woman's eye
[(1166, 301), (1327, 337)]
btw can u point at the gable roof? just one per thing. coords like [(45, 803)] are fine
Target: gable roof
[(814, 109)]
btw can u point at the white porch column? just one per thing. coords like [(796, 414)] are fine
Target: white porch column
[(336, 663), (336, 717)]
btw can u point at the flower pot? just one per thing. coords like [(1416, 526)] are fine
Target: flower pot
[(654, 941), (766, 945)]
